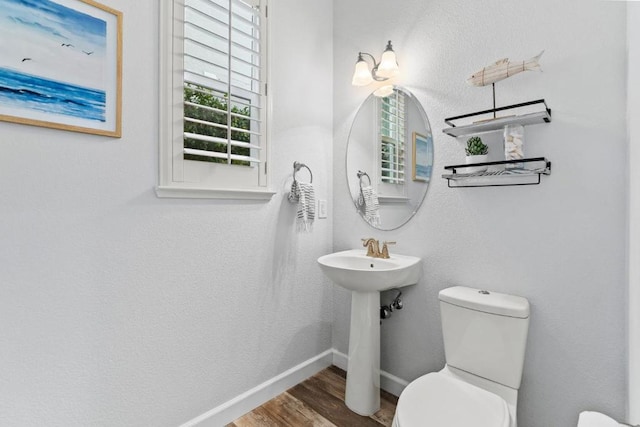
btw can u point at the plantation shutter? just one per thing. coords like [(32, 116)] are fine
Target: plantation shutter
[(223, 76), (392, 138)]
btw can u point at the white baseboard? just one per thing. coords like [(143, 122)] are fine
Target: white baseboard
[(248, 401), (388, 382)]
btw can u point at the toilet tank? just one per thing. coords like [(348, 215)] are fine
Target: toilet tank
[(485, 333)]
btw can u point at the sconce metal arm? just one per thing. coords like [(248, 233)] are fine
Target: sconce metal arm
[(375, 76)]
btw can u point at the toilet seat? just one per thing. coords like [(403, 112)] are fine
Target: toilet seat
[(438, 400)]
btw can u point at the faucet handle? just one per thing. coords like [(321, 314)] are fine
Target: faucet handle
[(385, 249)]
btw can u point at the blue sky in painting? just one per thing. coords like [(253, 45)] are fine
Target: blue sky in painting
[(57, 15), (61, 43)]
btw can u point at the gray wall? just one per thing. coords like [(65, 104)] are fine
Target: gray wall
[(560, 244), (633, 102), (121, 309)]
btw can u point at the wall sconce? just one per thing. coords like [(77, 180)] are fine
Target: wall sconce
[(383, 70)]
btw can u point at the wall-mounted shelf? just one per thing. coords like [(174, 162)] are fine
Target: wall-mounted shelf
[(498, 123), (499, 174)]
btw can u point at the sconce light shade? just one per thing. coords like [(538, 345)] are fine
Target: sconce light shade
[(362, 74), (388, 64)]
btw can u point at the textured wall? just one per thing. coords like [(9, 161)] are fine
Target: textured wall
[(560, 244), (633, 94), (118, 308)]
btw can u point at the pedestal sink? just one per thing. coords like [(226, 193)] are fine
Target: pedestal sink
[(366, 277)]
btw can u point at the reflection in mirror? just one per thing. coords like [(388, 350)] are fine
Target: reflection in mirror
[(389, 159)]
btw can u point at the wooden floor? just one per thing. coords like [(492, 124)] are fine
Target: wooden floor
[(318, 401)]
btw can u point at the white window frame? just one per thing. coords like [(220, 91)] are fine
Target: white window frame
[(187, 178)]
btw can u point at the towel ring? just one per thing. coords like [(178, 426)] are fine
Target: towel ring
[(360, 174), (297, 166)]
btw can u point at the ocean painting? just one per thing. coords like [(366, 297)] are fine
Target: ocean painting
[(60, 65), (422, 157)]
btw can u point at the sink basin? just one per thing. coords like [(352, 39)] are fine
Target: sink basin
[(366, 277), (355, 271)]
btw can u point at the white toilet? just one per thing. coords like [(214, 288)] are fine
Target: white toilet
[(485, 337)]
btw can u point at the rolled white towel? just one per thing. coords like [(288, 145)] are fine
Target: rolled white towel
[(596, 419)]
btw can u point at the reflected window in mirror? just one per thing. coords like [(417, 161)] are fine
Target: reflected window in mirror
[(392, 137)]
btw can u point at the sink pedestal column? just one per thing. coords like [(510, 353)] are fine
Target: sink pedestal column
[(363, 373)]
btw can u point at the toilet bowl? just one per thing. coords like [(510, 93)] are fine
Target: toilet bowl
[(597, 419), (438, 399), (485, 339)]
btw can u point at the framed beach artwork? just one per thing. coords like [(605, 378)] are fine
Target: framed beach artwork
[(61, 65), (422, 157)]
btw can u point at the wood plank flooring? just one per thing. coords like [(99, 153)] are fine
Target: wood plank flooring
[(317, 402)]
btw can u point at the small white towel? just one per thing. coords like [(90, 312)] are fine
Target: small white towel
[(596, 419), (368, 205), (302, 193)]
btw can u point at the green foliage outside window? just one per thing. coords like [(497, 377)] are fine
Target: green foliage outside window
[(203, 96)]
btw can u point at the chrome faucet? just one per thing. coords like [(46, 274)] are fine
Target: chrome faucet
[(373, 248)]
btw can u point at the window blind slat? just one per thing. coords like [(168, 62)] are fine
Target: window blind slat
[(222, 69), (208, 17), (252, 65), (209, 63), (253, 52), (248, 89), (241, 34), (234, 102), (392, 162), (249, 5), (242, 75), (208, 138), (254, 49), (219, 48), (204, 15), (246, 21), (217, 155), (244, 89), (217, 110), (392, 170), (220, 126)]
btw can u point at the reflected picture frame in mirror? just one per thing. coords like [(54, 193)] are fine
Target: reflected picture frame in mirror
[(422, 156), (389, 159)]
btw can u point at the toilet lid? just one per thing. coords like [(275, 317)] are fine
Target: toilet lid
[(436, 400)]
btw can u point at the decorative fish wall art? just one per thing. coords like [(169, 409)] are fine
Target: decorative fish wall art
[(503, 69)]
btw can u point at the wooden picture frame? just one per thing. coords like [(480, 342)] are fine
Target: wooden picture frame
[(422, 160), (61, 65)]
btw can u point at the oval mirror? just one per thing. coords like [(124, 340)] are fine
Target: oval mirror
[(389, 159)]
